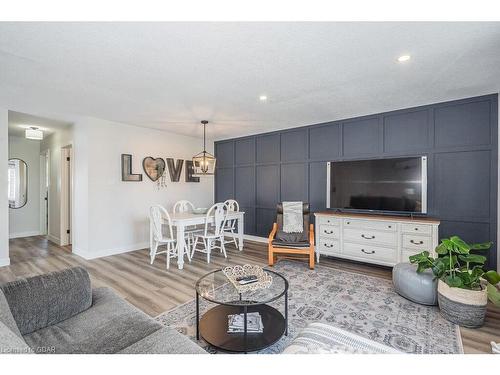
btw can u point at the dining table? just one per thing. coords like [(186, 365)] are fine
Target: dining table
[(182, 220)]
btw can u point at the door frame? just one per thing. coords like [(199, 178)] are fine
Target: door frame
[(44, 192), (66, 195)]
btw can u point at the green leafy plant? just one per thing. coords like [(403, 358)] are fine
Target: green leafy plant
[(459, 268)]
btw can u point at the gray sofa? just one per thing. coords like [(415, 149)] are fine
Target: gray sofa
[(60, 313)]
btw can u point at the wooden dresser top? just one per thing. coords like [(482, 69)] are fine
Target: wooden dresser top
[(414, 219)]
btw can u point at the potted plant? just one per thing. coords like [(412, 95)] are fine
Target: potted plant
[(463, 286)]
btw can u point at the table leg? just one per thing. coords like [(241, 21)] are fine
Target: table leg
[(197, 316), (245, 311), (286, 313), (240, 232), (181, 245)]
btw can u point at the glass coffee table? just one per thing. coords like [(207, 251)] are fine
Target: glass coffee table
[(213, 325)]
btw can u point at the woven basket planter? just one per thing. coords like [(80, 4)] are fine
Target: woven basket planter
[(464, 307)]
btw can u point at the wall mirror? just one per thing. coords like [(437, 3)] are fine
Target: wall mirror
[(18, 183)]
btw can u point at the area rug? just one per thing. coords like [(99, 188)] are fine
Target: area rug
[(367, 306)]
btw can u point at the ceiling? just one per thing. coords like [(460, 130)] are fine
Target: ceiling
[(172, 75), (19, 122)]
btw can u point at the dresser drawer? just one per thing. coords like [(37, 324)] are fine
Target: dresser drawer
[(371, 237), (369, 224), (370, 252), (329, 231), (329, 246), (417, 228), (421, 243), (327, 220)]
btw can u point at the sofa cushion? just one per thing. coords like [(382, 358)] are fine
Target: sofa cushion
[(108, 326), (164, 341), (6, 315), (41, 301), (11, 343)]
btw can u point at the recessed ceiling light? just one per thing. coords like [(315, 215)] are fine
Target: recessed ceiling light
[(263, 98), (404, 58)]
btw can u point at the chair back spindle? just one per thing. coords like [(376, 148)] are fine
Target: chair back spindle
[(157, 215), (183, 206)]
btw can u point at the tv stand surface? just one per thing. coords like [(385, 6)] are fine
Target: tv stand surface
[(379, 216), (374, 238)]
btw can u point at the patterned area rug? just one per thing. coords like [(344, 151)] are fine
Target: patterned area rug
[(365, 305)]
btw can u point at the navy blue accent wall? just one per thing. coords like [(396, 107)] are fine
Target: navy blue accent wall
[(459, 138)]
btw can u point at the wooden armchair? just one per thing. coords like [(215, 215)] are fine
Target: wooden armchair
[(291, 243)]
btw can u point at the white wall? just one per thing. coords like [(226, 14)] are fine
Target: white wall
[(54, 143), (4, 204), (25, 221), (110, 215)]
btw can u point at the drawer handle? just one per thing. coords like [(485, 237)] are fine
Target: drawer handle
[(328, 231), (348, 222), (368, 252), (367, 238), (328, 245), (389, 226), (417, 243), (416, 228)]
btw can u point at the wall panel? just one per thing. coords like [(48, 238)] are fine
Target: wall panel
[(407, 131), (459, 138), (294, 182), (267, 185)]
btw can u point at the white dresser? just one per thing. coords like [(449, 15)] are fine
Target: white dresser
[(377, 239)]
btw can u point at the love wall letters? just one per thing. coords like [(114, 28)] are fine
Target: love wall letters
[(154, 168)]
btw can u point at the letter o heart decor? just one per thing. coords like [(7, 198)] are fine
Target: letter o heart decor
[(154, 168)]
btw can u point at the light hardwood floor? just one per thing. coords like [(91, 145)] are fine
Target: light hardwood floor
[(154, 290)]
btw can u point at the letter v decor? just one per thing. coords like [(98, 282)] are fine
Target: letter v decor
[(174, 169)]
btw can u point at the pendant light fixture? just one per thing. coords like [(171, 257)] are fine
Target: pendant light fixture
[(204, 162)]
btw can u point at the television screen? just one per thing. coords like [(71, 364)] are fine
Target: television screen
[(390, 185)]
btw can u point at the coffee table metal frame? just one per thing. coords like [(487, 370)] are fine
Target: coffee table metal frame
[(245, 304)]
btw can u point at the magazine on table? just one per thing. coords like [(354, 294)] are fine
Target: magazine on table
[(236, 323)]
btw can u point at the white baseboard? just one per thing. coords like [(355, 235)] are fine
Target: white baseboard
[(255, 238), (54, 239), (24, 234), (108, 252), (4, 262), (139, 246)]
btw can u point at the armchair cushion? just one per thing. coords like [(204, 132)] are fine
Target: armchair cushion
[(291, 244), (291, 238), (41, 301)]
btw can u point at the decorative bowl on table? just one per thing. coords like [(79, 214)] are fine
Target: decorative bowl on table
[(200, 211), (263, 279)]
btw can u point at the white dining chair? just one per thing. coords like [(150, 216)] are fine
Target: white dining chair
[(212, 233), (230, 227), (158, 216), (190, 231)]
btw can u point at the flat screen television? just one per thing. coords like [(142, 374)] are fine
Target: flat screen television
[(396, 185)]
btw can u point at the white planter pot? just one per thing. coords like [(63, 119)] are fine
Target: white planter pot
[(464, 307)]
